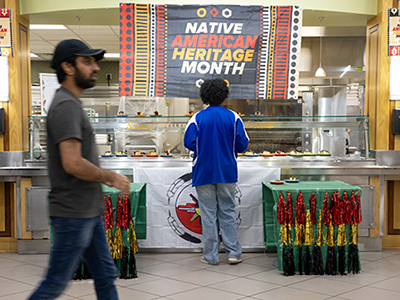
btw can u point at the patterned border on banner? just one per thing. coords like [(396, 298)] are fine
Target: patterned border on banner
[(6, 50), (169, 50), (293, 74), (263, 57)]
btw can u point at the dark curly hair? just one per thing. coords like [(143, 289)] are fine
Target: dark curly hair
[(214, 91), (60, 72)]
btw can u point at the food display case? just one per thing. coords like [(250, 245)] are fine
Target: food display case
[(306, 136)]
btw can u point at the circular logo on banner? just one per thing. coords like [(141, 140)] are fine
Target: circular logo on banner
[(185, 218)]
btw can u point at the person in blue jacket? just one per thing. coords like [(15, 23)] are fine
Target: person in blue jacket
[(216, 135)]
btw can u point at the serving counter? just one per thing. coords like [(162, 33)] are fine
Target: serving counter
[(168, 177)]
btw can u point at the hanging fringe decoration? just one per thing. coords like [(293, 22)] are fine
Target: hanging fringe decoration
[(335, 209), (299, 228), (289, 210), (358, 214), (341, 242), (281, 211), (313, 209), (317, 253), (132, 238), (124, 264), (331, 260), (353, 265), (353, 208), (341, 236), (288, 260), (109, 222), (118, 244), (346, 209), (132, 266), (325, 209), (300, 260), (308, 242)]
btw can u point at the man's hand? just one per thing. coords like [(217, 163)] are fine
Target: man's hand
[(120, 182)]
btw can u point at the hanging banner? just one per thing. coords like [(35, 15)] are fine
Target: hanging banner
[(169, 50), (6, 48), (173, 214), (393, 31)]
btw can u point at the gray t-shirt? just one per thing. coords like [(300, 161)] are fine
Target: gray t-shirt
[(70, 196)]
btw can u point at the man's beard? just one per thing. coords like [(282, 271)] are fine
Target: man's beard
[(83, 83)]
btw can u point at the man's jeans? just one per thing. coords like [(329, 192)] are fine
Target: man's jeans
[(217, 209), (73, 239)]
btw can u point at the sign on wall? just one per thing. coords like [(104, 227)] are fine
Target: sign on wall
[(6, 48), (169, 50), (48, 87)]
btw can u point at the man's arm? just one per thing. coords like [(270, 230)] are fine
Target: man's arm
[(74, 164)]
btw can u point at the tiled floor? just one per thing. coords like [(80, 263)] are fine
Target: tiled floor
[(183, 276)]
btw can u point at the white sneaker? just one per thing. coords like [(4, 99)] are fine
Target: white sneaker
[(203, 260), (234, 260)]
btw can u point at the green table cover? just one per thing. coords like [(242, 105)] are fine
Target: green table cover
[(137, 196), (270, 194)]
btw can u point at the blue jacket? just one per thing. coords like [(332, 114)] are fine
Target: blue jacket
[(216, 135)]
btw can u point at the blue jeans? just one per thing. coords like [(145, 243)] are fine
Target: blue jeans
[(73, 239), (217, 209)]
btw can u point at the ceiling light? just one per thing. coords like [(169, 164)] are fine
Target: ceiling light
[(33, 55), (111, 55), (345, 70), (46, 26), (320, 72)]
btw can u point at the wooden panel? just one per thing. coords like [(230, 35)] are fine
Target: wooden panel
[(8, 210), (375, 232), (396, 138), (372, 84), (25, 182), (383, 114), (8, 244), (2, 208), (24, 71)]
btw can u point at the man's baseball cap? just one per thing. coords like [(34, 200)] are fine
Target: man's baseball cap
[(68, 48)]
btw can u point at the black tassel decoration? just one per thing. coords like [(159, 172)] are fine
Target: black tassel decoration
[(285, 260), (85, 272), (308, 265), (291, 261), (352, 260), (300, 260), (132, 266), (318, 261), (78, 272), (342, 261), (124, 264), (331, 264)]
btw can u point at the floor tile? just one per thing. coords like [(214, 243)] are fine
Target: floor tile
[(163, 287), (370, 293), (392, 284), (288, 293), (21, 271), (8, 287), (244, 286), (79, 288), (363, 278), (205, 293), (385, 269), (166, 269), (203, 277), (325, 285), (9, 263), (242, 269), (142, 277), (125, 293), (276, 277)]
